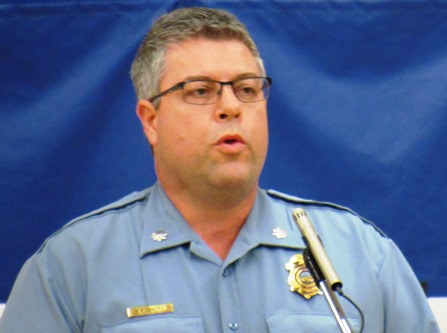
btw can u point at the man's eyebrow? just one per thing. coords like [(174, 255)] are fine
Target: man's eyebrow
[(247, 75), (197, 77), (205, 77)]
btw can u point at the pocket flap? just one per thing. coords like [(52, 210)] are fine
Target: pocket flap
[(291, 322), (158, 325)]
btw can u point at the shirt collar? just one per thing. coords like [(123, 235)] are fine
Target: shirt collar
[(268, 224), (164, 227)]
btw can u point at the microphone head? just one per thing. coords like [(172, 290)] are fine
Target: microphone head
[(315, 247)]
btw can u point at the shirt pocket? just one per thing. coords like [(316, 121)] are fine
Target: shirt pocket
[(291, 322), (158, 325)]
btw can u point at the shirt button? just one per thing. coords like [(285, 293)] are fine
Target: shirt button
[(226, 272), (233, 326)]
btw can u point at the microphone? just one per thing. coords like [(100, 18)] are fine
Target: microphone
[(316, 249)]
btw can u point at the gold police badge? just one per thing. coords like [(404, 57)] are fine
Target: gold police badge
[(300, 280)]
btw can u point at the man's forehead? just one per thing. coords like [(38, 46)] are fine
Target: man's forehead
[(192, 45), (208, 58)]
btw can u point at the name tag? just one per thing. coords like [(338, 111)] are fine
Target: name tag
[(149, 310)]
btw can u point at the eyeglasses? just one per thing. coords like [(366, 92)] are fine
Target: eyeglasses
[(204, 92)]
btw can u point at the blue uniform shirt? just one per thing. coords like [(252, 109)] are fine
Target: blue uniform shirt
[(139, 252)]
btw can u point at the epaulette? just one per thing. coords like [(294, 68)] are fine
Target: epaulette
[(122, 203), (297, 200)]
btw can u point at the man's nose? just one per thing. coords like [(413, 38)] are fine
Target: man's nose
[(229, 107)]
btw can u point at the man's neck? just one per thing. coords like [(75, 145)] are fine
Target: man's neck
[(217, 221)]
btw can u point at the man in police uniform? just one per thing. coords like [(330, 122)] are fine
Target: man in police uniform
[(205, 249)]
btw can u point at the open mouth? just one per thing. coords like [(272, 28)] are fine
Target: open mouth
[(230, 139), (231, 144)]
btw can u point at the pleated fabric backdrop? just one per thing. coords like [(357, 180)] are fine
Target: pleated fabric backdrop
[(358, 114)]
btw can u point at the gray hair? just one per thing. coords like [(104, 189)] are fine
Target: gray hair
[(175, 27)]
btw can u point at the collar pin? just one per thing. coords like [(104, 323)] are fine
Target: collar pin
[(279, 233), (159, 235)]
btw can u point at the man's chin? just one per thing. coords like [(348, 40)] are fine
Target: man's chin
[(236, 182)]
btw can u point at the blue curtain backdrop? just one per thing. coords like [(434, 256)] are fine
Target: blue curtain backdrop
[(358, 114)]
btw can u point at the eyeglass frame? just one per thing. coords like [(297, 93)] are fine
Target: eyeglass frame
[(181, 85)]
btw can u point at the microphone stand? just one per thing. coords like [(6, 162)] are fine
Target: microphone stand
[(328, 293), (320, 267)]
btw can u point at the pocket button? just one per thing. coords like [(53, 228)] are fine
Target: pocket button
[(233, 326)]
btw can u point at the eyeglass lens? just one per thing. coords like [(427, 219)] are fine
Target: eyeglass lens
[(208, 92)]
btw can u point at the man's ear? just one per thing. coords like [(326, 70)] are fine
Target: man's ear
[(148, 117)]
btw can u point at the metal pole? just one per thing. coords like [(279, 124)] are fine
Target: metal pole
[(336, 308)]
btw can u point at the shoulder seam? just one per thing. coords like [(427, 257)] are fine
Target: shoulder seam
[(301, 201), (111, 207)]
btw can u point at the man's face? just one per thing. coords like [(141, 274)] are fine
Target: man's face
[(223, 145)]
